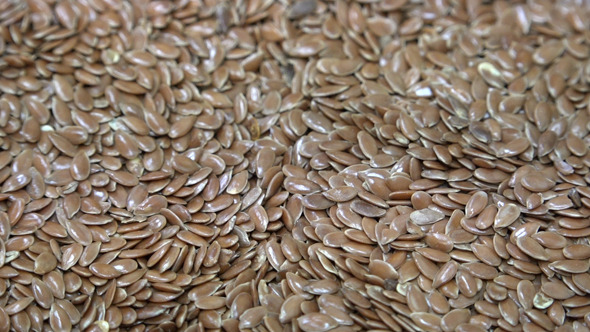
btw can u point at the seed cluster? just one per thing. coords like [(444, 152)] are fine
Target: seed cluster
[(306, 165)]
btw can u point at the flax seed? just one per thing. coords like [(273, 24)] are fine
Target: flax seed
[(195, 156)]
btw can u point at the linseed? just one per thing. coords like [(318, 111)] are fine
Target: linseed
[(308, 165)]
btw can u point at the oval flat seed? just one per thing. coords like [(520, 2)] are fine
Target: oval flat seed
[(58, 319), (105, 271), (445, 274), (454, 318), (426, 321), (316, 322), (506, 215), (80, 169), (476, 204), (426, 217), (340, 194), (366, 209), (532, 248), (45, 263), (571, 265), (577, 251), (536, 182), (209, 303)]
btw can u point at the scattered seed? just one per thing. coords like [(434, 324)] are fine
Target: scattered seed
[(312, 165)]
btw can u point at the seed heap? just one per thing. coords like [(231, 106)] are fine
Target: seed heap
[(294, 165)]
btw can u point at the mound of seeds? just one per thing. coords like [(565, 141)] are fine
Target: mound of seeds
[(304, 165)]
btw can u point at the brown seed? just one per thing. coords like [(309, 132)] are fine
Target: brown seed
[(302, 8), (80, 169), (79, 232), (486, 254), (548, 52), (316, 322), (105, 271), (4, 320), (551, 240), (454, 318), (164, 50), (426, 321), (366, 209), (209, 303), (44, 263), (42, 293), (416, 299), (476, 204), (445, 274), (536, 182), (540, 318), (18, 305), (577, 251), (21, 322), (252, 317), (525, 291), (58, 319), (531, 248), (571, 265), (63, 88), (509, 311), (506, 215), (71, 255), (291, 308), (126, 145), (340, 194), (426, 217), (259, 217)]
